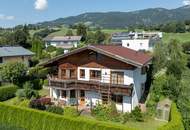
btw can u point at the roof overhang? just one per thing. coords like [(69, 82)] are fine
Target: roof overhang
[(98, 50)]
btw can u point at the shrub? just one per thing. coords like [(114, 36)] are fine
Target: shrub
[(36, 84), (126, 117), (20, 94), (136, 114), (106, 112), (55, 109), (38, 120), (29, 92), (46, 82), (34, 61), (14, 72), (175, 120), (7, 92), (51, 49), (40, 103), (36, 104)]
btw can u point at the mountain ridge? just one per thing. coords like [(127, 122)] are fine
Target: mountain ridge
[(118, 19)]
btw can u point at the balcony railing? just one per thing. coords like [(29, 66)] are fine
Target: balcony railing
[(90, 85)]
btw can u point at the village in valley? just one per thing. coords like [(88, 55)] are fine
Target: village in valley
[(85, 76)]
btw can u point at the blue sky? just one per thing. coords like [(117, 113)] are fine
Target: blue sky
[(13, 12)]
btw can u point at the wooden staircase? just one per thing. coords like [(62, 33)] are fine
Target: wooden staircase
[(105, 92)]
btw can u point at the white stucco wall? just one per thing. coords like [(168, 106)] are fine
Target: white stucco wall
[(139, 79), (140, 44), (126, 104), (136, 44), (92, 96), (106, 73)]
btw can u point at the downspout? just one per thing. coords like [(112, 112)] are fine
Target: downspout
[(132, 85)]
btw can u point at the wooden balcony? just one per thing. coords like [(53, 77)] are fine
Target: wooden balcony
[(69, 84)]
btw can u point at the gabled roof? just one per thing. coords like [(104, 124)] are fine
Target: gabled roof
[(63, 38), (14, 51), (120, 53)]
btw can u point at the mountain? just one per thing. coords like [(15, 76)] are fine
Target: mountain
[(149, 16)]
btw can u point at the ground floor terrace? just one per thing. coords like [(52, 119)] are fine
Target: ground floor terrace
[(89, 99)]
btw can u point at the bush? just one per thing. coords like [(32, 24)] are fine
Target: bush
[(136, 114), (38, 120), (46, 82), (107, 112), (7, 92), (34, 61), (36, 104), (175, 120), (20, 94), (55, 109), (40, 104), (29, 92), (51, 49), (36, 84), (14, 72)]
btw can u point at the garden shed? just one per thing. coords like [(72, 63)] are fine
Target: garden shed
[(163, 110)]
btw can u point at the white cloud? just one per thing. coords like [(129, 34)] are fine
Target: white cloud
[(41, 4), (6, 17), (186, 2)]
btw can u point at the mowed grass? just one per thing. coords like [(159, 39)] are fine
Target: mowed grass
[(147, 125), (182, 37)]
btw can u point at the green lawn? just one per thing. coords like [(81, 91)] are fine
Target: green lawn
[(182, 37), (17, 102), (44, 92), (24, 103), (62, 32), (147, 125)]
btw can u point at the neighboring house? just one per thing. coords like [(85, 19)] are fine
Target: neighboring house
[(14, 53), (65, 42), (98, 74), (118, 37), (137, 41)]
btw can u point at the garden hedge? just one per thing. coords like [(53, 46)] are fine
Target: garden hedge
[(175, 120), (7, 92), (38, 120)]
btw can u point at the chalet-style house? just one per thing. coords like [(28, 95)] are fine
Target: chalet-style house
[(15, 54), (98, 74), (65, 42)]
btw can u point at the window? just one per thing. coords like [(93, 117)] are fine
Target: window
[(117, 77), (63, 94), (63, 73), (72, 73), (72, 94), (1, 60), (68, 73), (95, 74), (128, 44), (82, 73), (82, 93), (117, 99)]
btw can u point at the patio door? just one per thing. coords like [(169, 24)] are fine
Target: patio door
[(82, 97)]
